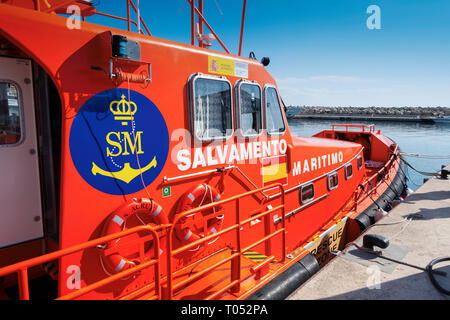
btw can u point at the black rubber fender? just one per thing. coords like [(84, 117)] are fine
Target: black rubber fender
[(287, 282), (364, 220), (367, 217)]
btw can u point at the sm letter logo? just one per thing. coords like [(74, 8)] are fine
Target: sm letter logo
[(117, 137)]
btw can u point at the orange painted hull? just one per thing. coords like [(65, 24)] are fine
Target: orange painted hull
[(217, 265)]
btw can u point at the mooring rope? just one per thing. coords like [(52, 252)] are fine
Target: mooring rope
[(416, 155), (432, 174)]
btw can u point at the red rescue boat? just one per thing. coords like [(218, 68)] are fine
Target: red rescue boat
[(135, 167)]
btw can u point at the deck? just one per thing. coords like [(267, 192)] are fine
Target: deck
[(418, 231)]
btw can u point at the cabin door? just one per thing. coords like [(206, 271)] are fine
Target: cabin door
[(20, 196)]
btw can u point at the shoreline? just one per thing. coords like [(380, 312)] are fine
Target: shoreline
[(407, 114), (426, 119)]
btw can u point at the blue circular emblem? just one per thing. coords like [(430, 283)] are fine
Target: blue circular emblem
[(119, 144)]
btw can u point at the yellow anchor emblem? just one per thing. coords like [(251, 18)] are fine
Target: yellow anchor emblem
[(127, 173)]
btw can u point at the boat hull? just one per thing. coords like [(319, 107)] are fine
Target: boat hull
[(396, 189), (148, 200)]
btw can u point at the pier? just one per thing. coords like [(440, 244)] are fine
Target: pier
[(418, 232), (428, 119), (408, 114)]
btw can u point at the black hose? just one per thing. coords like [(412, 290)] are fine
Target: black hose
[(431, 274), (428, 269)]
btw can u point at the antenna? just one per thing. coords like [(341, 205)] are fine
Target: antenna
[(181, 7), (242, 26), (205, 38), (197, 28), (218, 8), (138, 17)]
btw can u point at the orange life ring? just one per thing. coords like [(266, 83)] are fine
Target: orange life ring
[(116, 222), (206, 194)]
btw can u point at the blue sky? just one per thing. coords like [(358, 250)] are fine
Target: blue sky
[(321, 51)]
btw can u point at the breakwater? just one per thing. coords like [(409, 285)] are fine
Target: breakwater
[(422, 114)]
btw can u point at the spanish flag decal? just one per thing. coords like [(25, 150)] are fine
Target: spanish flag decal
[(274, 170)]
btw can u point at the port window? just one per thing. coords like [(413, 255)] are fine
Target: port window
[(359, 162), (348, 171), (333, 180), (274, 118), (10, 114), (211, 107), (306, 193), (249, 108)]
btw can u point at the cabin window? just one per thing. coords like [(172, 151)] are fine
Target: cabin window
[(274, 117), (333, 180), (306, 193), (211, 107), (249, 105), (348, 171), (10, 114), (359, 162)]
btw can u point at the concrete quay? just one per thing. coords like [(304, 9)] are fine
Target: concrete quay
[(418, 231)]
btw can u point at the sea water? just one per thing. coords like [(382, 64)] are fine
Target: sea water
[(424, 139)]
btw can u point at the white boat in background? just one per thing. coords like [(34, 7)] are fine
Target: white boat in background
[(292, 111), (442, 119)]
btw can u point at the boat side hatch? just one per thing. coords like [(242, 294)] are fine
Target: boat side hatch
[(20, 194)]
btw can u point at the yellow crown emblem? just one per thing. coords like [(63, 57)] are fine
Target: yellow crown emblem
[(123, 110)]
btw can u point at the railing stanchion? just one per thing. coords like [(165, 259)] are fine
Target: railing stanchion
[(236, 262), (23, 284), (236, 272)]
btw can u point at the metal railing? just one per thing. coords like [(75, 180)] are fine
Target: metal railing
[(60, 5), (21, 268), (370, 186), (237, 252), (362, 127)]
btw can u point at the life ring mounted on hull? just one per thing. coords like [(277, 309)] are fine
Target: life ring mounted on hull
[(145, 211), (195, 197)]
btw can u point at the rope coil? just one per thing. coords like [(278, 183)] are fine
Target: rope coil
[(122, 76)]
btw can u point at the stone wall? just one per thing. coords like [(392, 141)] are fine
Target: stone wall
[(395, 111)]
